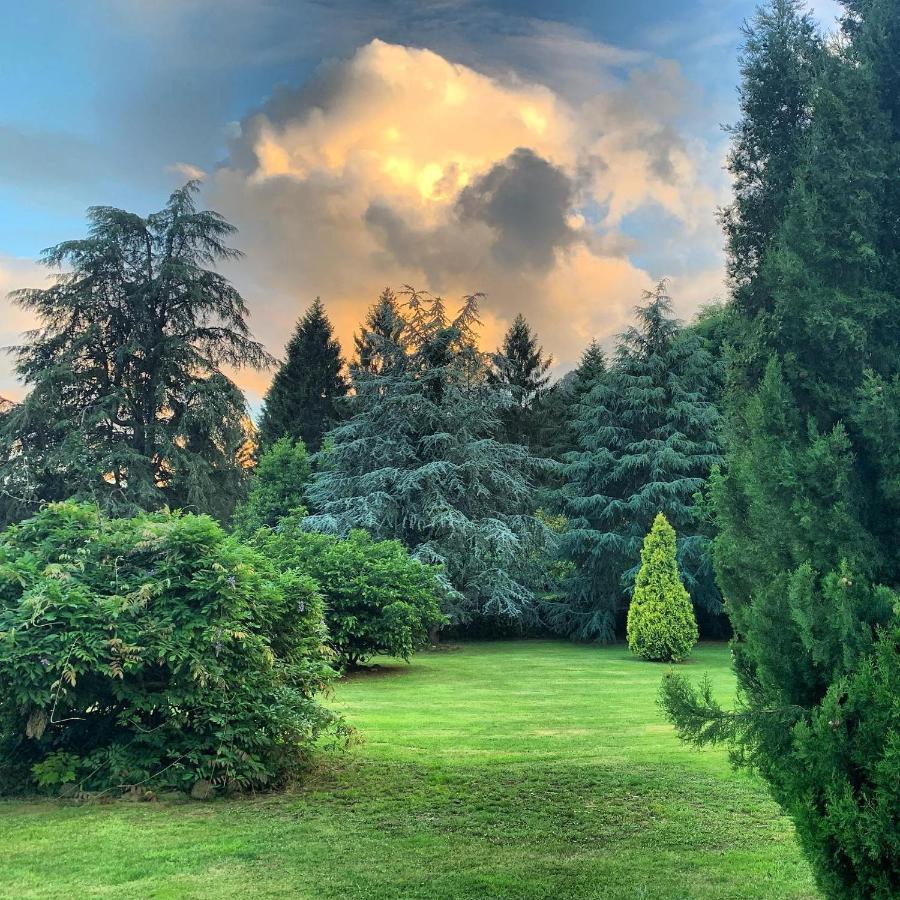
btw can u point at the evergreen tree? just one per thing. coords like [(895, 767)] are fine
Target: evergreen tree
[(661, 623), (808, 506), (519, 372), (421, 461), (781, 58), (382, 329), (647, 438), (305, 398), (128, 404)]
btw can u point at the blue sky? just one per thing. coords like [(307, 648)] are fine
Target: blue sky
[(111, 102)]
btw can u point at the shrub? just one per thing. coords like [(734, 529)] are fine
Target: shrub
[(378, 600), (277, 488), (661, 623), (153, 651)]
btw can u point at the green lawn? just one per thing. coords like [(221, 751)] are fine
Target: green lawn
[(526, 769)]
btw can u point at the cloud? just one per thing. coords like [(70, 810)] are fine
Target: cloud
[(14, 274), (398, 165)]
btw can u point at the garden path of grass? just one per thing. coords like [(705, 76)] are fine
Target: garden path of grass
[(529, 769)]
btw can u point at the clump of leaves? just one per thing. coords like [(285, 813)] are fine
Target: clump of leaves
[(378, 600), (154, 650)]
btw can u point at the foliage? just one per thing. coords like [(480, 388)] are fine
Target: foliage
[(128, 404), (154, 651), (306, 395), (383, 328), (422, 461), (377, 599), (647, 438), (519, 373), (661, 623), (807, 504), (277, 488)]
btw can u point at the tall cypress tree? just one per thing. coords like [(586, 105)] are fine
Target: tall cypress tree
[(808, 506), (519, 373), (647, 438), (304, 400), (781, 58), (422, 460)]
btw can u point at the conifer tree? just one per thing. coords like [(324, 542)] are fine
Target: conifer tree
[(647, 438), (305, 398), (422, 461), (807, 505), (661, 623), (781, 58), (383, 328), (519, 372), (128, 403)]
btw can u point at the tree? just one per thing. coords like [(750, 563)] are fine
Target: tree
[(807, 504), (647, 438), (661, 623), (422, 461), (383, 328), (781, 58), (519, 372), (128, 403), (277, 488), (153, 651), (378, 600), (560, 405), (304, 399)]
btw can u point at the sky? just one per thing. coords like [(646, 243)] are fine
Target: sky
[(559, 157)]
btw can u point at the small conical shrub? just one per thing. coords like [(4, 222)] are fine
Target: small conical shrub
[(661, 623)]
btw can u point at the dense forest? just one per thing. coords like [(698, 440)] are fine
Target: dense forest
[(732, 476)]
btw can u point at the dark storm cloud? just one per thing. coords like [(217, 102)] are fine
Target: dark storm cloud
[(526, 201)]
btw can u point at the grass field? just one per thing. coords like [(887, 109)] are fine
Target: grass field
[(520, 770)]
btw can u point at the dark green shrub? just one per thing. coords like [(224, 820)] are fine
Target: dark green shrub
[(378, 600), (661, 623), (153, 650)]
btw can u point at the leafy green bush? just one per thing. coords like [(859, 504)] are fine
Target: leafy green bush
[(661, 623), (153, 650), (377, 598), (277, 488)]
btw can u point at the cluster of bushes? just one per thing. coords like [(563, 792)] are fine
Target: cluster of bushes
[(159, 651)]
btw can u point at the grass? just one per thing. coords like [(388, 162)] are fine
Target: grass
[(518, 770)]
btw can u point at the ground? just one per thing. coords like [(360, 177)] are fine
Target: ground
[(532, 769)]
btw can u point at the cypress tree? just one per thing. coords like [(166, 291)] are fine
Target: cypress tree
[(807, 505), (647, 438), (128, 403), (423, 461), (305, 397), (519, 373), (661, 623)]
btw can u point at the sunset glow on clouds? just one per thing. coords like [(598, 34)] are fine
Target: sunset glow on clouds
[(398, 166), (449, 146)]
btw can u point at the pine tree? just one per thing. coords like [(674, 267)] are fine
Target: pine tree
[(422, 461), (519, 373), (382, 330), (305, 398), (647, 438), (661, 623), (128, 404), (807, 506)]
